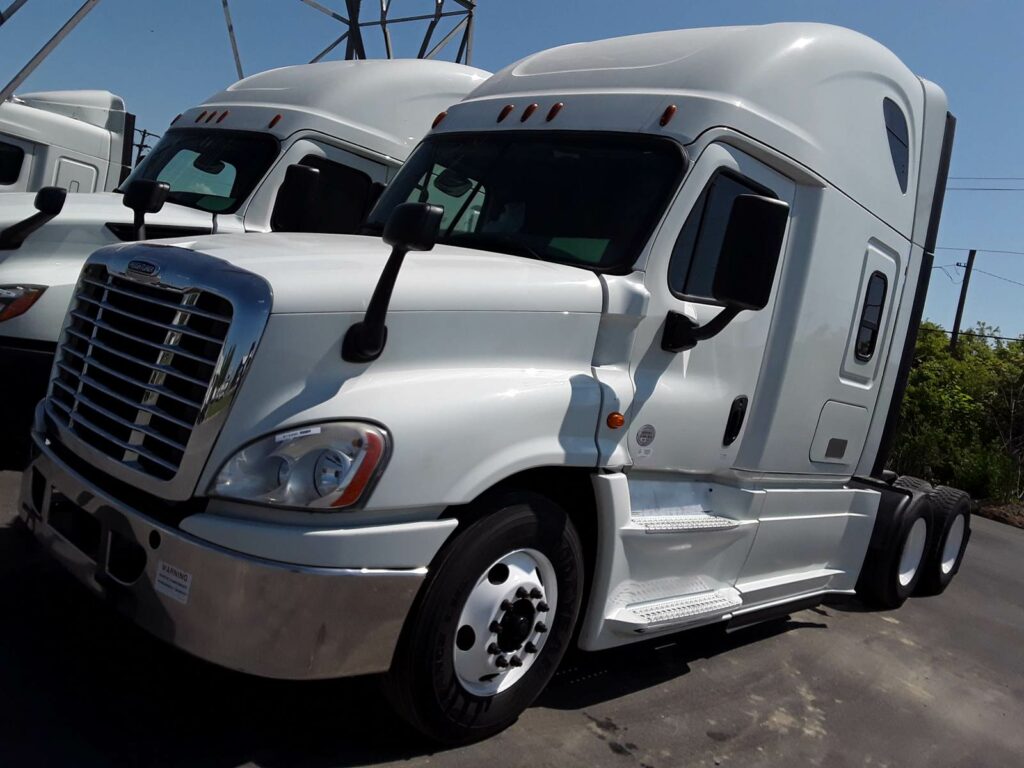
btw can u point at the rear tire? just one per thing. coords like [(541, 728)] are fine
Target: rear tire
[(952, 530), (891, 575), (508, 587)]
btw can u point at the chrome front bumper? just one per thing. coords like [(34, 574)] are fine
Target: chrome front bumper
[(252, 615)]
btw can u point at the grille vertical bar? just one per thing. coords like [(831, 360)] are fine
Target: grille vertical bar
[(136, 366)]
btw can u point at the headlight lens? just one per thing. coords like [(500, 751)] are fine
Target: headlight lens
[(320, 467), (16, 299)]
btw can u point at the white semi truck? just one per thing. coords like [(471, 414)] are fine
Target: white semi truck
[(627, 361), (78, 140), (223, 162)]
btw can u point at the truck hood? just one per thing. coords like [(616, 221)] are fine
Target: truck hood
[(84, 217), (337, 273)]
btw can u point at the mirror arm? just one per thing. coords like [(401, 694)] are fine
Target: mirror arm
[(139, 224), (365, 340), (681, 333), (12, 237)]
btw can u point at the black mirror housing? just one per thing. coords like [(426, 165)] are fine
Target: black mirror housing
[(413, 226), (750, 252), (146, 196), (50, 200), (295, 198)]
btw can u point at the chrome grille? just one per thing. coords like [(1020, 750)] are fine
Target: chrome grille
[(135, 367)]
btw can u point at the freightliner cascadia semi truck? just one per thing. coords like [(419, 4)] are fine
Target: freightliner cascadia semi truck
[(224, 163), (628, 360)]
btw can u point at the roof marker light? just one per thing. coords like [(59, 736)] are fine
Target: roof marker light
[(527, 113), (176, 119), (201, 115), (223, 115), (505, 111), (438, 120), (553, 112), (212, 115), (615, 420), (667, 115), (274, 121)]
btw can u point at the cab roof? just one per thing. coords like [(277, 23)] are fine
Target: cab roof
[(814, 92)]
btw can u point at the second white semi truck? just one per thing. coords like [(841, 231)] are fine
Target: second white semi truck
[(628, 360)]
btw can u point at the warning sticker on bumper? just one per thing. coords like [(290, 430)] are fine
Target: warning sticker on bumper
[(173, 582)]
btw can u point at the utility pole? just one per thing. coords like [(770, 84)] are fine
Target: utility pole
[(231, 37), (11, 10), (963, 298)]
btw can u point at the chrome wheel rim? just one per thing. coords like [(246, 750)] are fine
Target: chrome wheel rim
[(913, 550), (504, 623), (954, 541)]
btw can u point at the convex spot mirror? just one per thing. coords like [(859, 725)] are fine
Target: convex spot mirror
[(146, 195), (750, 252), (452, 183)]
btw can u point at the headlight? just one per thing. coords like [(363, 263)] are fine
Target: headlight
[(16, 299), (321, 467)]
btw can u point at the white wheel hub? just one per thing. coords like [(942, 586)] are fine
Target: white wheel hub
[(913, 551), (954, 542), (505, 622)]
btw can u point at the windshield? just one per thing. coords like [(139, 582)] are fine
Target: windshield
[(590, 200), (209, 169)]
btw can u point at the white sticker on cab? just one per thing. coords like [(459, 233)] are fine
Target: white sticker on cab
[(296, 433), (173, 582)]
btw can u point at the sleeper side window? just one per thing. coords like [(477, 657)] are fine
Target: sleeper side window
[(11, 158), (341, 198), (899, 140), (871, 317), (691, 269)]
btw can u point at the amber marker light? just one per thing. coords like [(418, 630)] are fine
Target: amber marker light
[(274, 121), (363, 475), (201, 115), (439, 119), (528, 112), (616, 420), (221, 118), (668, 114), (553, 112), (505, 111)]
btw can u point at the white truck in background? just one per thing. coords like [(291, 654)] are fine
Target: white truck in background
[(645, 379), (78, 140), (224, 161)]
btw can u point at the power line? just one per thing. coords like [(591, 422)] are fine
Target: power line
[(979, 250), (987, 178), (985, 189), (1000, 277), (976, 335)]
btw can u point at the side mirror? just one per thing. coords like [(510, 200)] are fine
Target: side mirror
[(49, 202), (145, 196), (411, 227), (295, 198), (744, 272)]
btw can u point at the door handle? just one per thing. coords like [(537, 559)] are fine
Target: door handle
[(737, 412)]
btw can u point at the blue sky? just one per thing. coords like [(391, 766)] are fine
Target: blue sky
[(164, 55)]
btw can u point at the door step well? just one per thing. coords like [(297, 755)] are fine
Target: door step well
[(658, 614)]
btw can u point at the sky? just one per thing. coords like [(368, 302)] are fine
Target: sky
[(164, 56)]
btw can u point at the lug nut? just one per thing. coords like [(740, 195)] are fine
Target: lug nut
[(494, 626), (530, 648), (493, 649), (543, 607), (540, 627), (536, 594), (506, 605), (501, 661), (521, 593), (515, 661)]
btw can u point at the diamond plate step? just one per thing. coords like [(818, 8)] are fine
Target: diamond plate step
[(700, 521), (640, 617)]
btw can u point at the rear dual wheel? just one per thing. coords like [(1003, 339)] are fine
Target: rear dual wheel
[(492, 622), (891, 574), (952, 517)]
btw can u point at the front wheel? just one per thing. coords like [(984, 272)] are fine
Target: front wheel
[(492, 622)]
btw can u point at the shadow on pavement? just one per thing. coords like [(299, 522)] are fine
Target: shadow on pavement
[(82, 686)]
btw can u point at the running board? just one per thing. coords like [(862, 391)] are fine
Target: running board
[(700, 521), (660, 614)]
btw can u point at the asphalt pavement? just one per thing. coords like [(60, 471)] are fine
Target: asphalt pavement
[(939, 682)]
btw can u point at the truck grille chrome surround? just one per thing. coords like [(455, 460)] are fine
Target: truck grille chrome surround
[(148, 364)]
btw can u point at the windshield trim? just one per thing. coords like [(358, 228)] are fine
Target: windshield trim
[(644, 234), (208, 130)]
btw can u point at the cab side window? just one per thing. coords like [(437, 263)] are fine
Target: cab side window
[(11, 158), (341, 199), (695, 254)]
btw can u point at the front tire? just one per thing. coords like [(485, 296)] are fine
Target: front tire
[(492, 622)]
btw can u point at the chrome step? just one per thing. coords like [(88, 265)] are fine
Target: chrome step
[(643, 617), (699, 521)]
